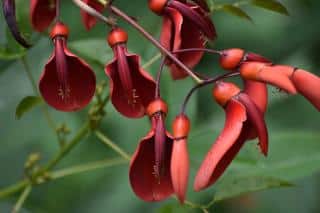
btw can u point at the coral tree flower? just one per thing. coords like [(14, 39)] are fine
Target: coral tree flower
[(290, 79), (241, 115), (43, 13), (131, 87), (180, 158), (67, 83), (149, 174), (185, 25)]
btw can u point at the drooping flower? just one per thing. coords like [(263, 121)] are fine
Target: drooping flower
[(150, 175), (290, 79), (131, 87), (185, 25), (9, 11), (67, 83), (241, 115), (43, 13), (180, 157)]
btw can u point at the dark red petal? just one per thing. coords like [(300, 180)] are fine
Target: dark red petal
[(88, 20), (224, 149), (186, 35), (80, 80), (143, 88), (42, 13), (180, 168), (203, 22), (307, 85), (9, 12), (159, 147), (145, 184), (256, 118)]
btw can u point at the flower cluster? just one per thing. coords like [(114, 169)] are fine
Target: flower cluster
[(159, 167)]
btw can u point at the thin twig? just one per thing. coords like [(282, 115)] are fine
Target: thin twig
[(21, 200)]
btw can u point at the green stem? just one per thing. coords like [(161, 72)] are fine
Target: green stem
[(23, 197), (112, 145), (151, 61), (45, 111), (87, 167), (17, 187), (67, 148)]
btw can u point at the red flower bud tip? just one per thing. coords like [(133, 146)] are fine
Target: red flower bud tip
[(150, 174), (231, 58), (131, 87), (59, 29), (156, 106), (42, 13), (117, 36), (224, 91), (67, 83), (307, 85), (277, 75), (88, 20), (180, 158), (157, 6)]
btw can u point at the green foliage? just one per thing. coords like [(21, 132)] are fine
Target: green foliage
[(27, 104)]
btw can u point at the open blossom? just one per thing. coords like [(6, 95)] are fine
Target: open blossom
[(287, 78), (67, 83), (185, 25), (131, 87), (241, 115), (150, 174), (43, 13)]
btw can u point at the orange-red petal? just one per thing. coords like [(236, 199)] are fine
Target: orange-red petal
[(224, 149), (307, 85)]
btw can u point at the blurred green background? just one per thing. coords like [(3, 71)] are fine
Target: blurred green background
[(293, 123)]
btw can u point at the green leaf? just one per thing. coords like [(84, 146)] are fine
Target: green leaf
[(236, 186), (272, 5), (26, 104), (236, 11)]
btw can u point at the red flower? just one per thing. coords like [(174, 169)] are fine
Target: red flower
[(67, 83), (88, 20), (184, 26), (150, 175), (180, 157), (43, 12), (241, 115), (287, 78), (131, 88)]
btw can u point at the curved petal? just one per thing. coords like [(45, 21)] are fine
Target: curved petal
[(143, 88), (81, 82), (256, 118), (256, 58), (191, 37), (225, 148), (258, 93), (180, 168), (42, 13), (88, 20), (9, 12), (144, 182), (307, 85), (278, 76), (171, 29), (200, 19)]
